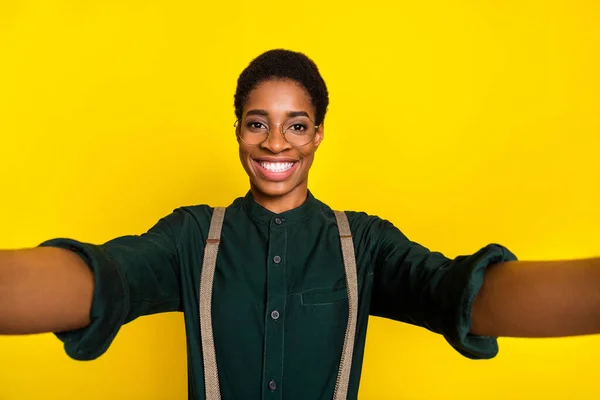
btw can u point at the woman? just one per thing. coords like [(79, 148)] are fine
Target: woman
[(285, 322)]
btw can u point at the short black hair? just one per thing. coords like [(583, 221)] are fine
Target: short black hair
[(283, 64)]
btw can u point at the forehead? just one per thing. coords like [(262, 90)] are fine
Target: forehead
[(279, 96)]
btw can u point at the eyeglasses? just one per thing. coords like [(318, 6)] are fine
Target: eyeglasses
[(297, 131)]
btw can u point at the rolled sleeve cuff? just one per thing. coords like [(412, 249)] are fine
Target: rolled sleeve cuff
[(473, 270), (109, 304)]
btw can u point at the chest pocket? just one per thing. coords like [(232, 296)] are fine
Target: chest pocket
[(323, 296)]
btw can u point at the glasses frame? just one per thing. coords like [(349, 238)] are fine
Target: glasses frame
[(237, 124)]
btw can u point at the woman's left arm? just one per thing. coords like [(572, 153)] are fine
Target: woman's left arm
[(539, 299)]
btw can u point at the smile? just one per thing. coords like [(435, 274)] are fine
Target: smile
[(276, 166), (276, 171)]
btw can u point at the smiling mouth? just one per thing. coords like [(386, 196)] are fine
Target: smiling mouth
[(276, 166)]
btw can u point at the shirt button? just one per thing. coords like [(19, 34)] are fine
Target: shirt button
[(272, 385), (278, 221), (276, 259), (275, 314)]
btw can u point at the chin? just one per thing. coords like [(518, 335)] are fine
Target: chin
[(273, 189)]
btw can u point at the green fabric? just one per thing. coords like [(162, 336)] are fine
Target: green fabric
[(292, 263)]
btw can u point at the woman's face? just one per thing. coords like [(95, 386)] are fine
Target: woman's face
[(275, 167)]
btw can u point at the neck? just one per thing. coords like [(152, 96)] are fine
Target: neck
[(282, 203)]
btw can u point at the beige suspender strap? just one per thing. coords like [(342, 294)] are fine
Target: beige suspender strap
[(211, 375), (343, 380)]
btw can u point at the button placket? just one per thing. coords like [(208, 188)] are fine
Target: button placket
[(275, 306)]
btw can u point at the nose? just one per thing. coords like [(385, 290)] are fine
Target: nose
[(276, 142)]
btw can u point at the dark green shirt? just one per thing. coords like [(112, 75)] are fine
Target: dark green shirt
[(290, 263)]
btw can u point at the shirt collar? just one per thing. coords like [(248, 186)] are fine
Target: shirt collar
[(261, 214)]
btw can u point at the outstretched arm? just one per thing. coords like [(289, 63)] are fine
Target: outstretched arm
[(65, 285), (43, 290), (539, 299)]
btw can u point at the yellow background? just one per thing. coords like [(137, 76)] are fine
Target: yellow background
[(463, 122)]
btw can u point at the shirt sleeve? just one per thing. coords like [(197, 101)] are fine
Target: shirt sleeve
[(133, 276), (425, 288)]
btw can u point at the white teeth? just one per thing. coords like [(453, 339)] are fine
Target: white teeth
[(277, 166)]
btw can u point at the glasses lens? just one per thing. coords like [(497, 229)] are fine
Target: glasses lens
[(254, 131), (299, 131)]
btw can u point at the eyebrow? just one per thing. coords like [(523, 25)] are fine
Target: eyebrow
[(292, 114), (263, 113), (289, 114)]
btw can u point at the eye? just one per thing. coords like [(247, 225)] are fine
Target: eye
[(297, 127), (256, 126)]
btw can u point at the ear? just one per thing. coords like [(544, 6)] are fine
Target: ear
[(319, 135)]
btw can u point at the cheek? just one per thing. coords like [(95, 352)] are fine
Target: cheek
[(307, 159), (244, 159), (244, 152)]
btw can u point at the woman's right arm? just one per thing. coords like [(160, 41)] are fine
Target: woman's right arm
[(85, 292), (44, 289)]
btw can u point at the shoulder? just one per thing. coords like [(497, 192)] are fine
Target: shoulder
[(373, 226), (194, 219), (366, 227)]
